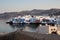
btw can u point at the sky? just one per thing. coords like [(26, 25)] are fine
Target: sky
[(20, 5)]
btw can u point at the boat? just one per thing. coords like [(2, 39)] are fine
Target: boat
[(50, 21), (24, 20), (16, 21), (32, 20)]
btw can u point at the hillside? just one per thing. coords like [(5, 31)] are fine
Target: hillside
[(7, 15)]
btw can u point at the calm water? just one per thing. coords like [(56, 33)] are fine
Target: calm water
[(10, 28)]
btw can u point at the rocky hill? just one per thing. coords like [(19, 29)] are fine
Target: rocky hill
[(49, 12)]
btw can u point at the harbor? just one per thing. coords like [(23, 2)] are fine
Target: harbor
[(45, 28), (43, 24), (29, 19), (31, 31)]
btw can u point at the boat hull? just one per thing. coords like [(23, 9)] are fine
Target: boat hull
[(11, 23)]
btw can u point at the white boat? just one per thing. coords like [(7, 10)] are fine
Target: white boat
[(50, 21)]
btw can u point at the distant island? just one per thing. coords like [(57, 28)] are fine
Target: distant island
[(37, 12)]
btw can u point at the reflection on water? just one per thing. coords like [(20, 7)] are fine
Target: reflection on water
[(10, 28), (25, 27), (5, 27)]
